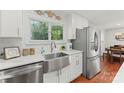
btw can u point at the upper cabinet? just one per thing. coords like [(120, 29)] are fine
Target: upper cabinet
[(10, 23), (75, 21)]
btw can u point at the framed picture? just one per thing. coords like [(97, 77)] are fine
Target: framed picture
[(11, 52)]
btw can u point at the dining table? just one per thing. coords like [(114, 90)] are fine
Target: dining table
[(114, 50)]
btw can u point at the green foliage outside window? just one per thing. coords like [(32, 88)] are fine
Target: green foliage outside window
[(56, 32), (39, 30)]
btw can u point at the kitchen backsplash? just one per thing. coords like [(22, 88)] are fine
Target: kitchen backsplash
[(10, 42), (46, 47)]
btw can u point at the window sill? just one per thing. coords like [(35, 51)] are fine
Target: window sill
[(46, 42)]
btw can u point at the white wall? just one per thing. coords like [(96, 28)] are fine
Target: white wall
[(9, 43), (110, 39)]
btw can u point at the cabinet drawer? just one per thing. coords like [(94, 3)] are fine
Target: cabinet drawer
[(76, 58)]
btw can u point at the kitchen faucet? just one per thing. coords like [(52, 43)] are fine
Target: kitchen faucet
[(52, 47)]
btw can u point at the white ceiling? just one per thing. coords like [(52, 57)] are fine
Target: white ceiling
[(105, 18)]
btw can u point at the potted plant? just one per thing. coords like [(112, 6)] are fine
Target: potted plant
[(62, 47)]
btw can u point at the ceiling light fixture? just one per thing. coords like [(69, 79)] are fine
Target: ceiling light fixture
[(49, 14), (118, 24)]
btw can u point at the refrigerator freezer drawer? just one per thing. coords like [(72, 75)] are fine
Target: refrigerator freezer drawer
[(93, 67)]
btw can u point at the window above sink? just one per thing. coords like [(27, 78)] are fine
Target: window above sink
[(44, 30)]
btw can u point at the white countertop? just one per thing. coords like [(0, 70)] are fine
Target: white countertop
[(5, 64), (24, 60), (71, 52), (119, 78)]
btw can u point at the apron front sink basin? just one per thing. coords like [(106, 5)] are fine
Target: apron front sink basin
[(55, 62)]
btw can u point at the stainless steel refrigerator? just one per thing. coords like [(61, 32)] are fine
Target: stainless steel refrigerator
[(88, 41)]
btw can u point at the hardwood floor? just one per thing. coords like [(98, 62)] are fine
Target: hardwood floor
[(107, 74)]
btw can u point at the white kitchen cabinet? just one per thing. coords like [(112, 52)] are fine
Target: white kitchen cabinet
[(10, 23), (51, 77), (75, 21), (71, 27), (76, 65), (65, 75), (60, 76)]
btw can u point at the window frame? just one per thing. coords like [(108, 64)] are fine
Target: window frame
[(50, 23)]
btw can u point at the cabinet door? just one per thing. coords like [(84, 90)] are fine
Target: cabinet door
[(73, 64), (80, 22), (71, 27), (75, 21), (76, 65), (51, 77), (10, 23), (65, 75), (74, 24)]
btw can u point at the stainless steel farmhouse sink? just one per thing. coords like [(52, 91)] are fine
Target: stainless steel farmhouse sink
[(55, 62), (55, 55)]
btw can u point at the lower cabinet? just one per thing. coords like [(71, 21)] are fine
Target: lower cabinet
[(65, 75), (51, 77), (61, 76), (68, 73), (76, 65)]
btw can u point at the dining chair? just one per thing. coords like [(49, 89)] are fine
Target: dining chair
[(106, 54), (116, 53)]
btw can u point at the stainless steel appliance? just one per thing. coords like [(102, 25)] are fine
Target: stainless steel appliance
[(32, 73), (88, 40)]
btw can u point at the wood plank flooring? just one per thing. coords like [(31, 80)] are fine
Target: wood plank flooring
[(107, 74)]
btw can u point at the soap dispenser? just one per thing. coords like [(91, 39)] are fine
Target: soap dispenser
[(42, 50)]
